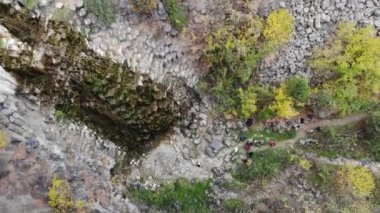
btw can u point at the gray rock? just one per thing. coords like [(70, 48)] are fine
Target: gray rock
[(208, 137), (282, 4), (42, 3), (216, 145), (377, 13), (317, 21), (58, 5), (193, 126), (240, 125), (210, 152), (197, 141), (193, 153), (82, 12), (217, 172)]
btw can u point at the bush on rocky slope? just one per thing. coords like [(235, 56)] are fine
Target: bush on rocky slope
[(357, 180), (145, 6), (349, 67), (102, 9), (278, 28), (177, 14), (233, 53), (346, 188), (298, 89), (60, 198)]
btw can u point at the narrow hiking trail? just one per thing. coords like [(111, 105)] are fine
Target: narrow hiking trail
[(302, 132)]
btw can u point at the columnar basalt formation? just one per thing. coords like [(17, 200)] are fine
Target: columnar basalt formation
[(56, 62)]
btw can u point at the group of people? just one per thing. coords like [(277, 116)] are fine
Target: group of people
[(249, 145)]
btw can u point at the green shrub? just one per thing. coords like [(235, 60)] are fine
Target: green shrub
[(189, 196), (145, 6), (322, 100), (373, 124), (298, 89), (375, 149), (102, 9), (265, 114), (177, 14), (247, 102), (233, 204), (373, 133), (265, 164)]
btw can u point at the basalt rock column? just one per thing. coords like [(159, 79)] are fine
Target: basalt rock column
[(125, 106)]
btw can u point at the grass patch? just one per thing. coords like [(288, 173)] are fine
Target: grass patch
[(102, 9), (233, 204), (62, 15), (2, 43), (177, 15), (30, 4), (179, 196), (339, 142), (269, 135), (3, 142), (231, 185), (265, 164)]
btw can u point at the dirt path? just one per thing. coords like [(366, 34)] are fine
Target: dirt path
[(302, 132)]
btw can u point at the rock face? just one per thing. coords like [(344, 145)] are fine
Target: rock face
[(56, 60), (37, 148)]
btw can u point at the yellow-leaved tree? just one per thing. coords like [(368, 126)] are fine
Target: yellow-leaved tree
[(278, 28), (283, 104)]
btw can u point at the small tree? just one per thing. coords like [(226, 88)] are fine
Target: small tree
[(298, 89), (283, 104)]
